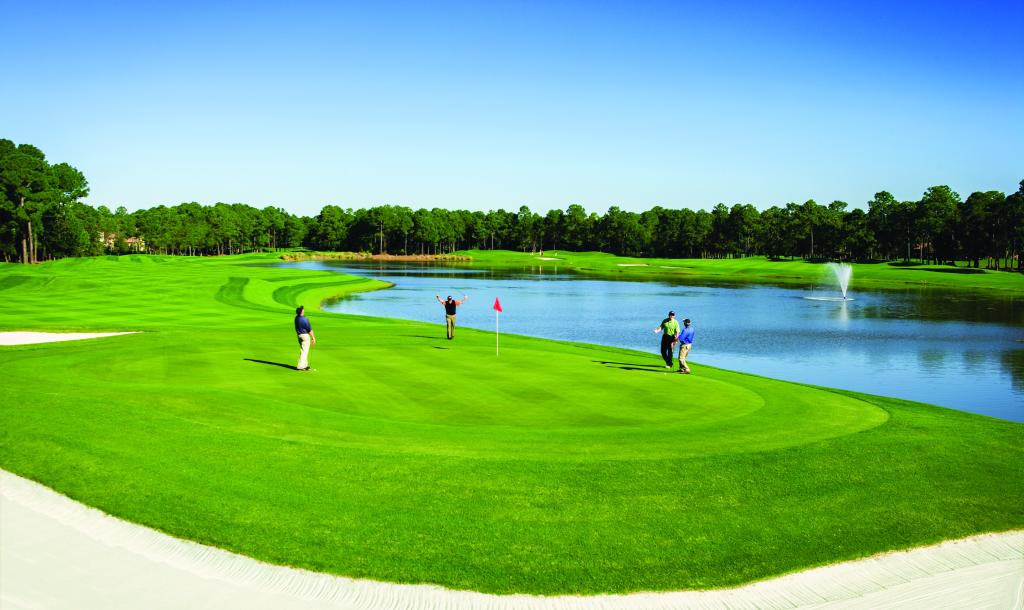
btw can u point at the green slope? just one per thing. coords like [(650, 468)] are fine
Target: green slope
[(555, 468)]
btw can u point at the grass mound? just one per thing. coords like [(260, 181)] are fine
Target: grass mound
[(556, 468)]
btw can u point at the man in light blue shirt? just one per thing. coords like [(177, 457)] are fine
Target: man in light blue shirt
[(685, 344)]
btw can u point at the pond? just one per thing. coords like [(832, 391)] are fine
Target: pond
[(957, 350)]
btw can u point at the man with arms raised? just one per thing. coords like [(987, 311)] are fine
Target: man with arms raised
[(450, 306)]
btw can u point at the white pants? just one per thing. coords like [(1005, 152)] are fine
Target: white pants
[(304, 343)]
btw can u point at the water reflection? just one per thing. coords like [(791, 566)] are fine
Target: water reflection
[(1013, 362), (965, 352)]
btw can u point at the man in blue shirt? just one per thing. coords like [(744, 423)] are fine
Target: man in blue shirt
[(306, 338), (685, 344)]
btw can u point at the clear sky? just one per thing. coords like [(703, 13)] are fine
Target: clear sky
[(498, 104)]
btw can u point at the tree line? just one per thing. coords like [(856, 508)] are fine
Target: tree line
[(42, 217)]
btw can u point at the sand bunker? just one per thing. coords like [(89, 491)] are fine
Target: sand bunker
[(28, 338), (549, 258), (632, 264), (59, 553)]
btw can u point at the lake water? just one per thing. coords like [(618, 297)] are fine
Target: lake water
[(942, 347)]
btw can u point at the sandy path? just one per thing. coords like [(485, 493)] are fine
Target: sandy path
[(27, 338), (58, 553)]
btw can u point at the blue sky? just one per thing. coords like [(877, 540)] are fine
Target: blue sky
[(488, 105)]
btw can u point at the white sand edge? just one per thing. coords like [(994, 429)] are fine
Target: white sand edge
[(632, 265), (59, 553), (30, 338), (549, 258)]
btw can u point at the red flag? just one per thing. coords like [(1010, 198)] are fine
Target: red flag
[(497, 304)]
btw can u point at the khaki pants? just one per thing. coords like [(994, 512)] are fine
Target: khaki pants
[(684, 351), (449, 323), (304, 343)]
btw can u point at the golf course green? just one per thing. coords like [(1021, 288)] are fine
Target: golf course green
[(555, 468)]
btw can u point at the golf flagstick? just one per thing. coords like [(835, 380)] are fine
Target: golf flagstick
[(497, 313)]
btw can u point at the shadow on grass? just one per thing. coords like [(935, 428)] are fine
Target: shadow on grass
[(285, 366), (660, 369), (438, 347), (964, 270), (653, 366), (419, 336)]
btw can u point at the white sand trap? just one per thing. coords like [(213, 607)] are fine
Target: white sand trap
[(549, 258), (632, 265), (29, 338), (57, 553)]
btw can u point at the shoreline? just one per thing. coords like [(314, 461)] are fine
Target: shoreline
[(298, 257), (887, 276), (882, 276)]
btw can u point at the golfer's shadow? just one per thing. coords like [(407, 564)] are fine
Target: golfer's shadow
[(631, 366), (650, 366), (286, 366), (425, 337)]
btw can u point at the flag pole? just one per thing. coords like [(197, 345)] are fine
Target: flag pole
[(497, 314)]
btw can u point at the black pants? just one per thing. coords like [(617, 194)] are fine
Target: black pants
[(666, 348)]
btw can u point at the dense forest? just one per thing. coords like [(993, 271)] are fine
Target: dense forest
[(42, 217)]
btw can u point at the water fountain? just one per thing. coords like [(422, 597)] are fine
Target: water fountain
[(842, 272)]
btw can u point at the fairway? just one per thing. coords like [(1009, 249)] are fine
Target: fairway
[(554, 468)]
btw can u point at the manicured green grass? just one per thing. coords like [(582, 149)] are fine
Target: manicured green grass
[(556, 468), (756, 269)]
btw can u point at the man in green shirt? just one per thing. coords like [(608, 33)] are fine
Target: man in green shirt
[(668, 341)]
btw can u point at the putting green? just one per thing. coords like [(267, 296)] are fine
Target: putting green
[(507, 407), (554, 468)]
